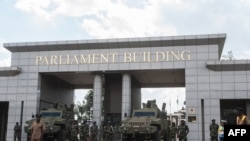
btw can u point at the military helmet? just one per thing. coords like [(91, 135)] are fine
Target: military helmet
[(38, 115)]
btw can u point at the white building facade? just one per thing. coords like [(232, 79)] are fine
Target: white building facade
[(44, 72)]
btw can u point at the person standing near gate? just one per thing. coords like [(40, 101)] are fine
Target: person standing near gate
[(109, 131), (182, 131), (17, 132), (213, 128), (241, 118), (173, 130), (74, 131), (93, 132), (84, 131), (221, 130), (37, 129)]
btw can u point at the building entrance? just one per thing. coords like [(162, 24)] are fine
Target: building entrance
[(59, 87)]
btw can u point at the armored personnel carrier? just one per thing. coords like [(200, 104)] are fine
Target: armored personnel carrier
[(148, 123), (57, 120)]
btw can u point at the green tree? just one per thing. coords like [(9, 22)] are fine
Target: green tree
[(228, 56), (83, 109)]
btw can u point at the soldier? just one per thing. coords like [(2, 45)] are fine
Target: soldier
[(17, 132), (213, 128), (165, 134), (173, 130), (93, 132), (84, 131), (37, 129), (69, 131), (182, 131), (74, 131), (108, 132)]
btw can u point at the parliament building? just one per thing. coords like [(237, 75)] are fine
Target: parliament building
[(44, 72)]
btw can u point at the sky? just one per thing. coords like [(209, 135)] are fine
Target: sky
[(56, 20)]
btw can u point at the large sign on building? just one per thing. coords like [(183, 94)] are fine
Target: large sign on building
[(130, 57)]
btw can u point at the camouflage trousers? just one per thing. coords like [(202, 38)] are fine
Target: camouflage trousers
[(93, 138), (182, 138), (172, 139), (83, 137), (74, 138), (108, 137), (214, 138), (17, 136)]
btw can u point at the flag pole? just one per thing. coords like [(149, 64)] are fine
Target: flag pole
[(177, 101), (170, 114)]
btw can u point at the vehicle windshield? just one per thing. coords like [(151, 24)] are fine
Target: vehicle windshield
[(51, 114), (144, 114)]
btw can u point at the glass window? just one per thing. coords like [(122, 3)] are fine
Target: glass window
[(51, 114), (144, 114)]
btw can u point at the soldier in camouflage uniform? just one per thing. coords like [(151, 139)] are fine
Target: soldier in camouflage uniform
[(165, 134), (84, 129), (74, 131), (213, 128), (173, 131), (68, 132), (108, 132), (93, 132), (17, 132), (182, 131)]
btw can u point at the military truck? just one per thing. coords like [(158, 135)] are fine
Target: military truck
[(147, 123), (57, 120)]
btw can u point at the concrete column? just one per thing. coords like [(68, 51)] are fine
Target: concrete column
[(97, 99), (126, 95)]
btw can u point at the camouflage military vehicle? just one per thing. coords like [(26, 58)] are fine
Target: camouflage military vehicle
[(57, 120), (148, 123)]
